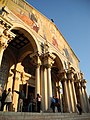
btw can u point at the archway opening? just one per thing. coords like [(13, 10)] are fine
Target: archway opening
[(56, 82), (17, 68)]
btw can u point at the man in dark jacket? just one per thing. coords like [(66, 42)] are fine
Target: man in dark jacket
[(4, 94), (79, 108)]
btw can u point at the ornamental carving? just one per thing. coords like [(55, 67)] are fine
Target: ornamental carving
[(5, 37), (63, 75)]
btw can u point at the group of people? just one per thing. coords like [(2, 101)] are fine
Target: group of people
[(30, 104), (24, 105), (55, 103), (6, 99), (33, 104)]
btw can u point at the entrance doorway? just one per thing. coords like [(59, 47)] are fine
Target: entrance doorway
[(28, 89), (29, 92)]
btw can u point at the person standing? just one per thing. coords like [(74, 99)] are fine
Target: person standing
[(58, 104), (38, 103), (8, 100), (21, 99), (79, 108), (30, 101), (4, 94), (53, 101)]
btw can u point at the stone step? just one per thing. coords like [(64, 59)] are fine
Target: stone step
[(43, 116)]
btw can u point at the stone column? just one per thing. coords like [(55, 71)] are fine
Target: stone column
[(74, 94), (57, 89), (65, 92), (48, 61), (83, 85), (85, 96), (71, 88), (60, 96), (37, 78), (49, 85), (42, 88), (37, 62), (84, 99), (45, 89), (87, 101), (81, 98), (70, 96)]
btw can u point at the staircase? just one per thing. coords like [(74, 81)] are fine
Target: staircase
[(43, 116)]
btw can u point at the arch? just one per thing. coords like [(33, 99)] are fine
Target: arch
[(24, 55), (28, 31), (58, 61)]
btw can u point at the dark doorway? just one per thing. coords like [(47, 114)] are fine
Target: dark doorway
[(31, 90)]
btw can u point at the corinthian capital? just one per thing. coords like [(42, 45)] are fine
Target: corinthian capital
[(62, 75), (5, 38)]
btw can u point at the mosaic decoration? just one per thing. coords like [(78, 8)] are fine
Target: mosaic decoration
[(68, 55), (54, 42), (40, 24), (29, 20)]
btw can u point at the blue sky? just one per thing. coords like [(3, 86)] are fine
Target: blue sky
[(72, 18)]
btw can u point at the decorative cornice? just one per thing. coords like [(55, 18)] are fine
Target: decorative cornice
[(5, 24)]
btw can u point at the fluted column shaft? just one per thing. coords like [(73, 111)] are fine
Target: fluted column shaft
[(81, 98), (74, 94), (45, 89), (37, 79), (65, 92), (66, 97), (84, 99), (38, 73), (49, 85), (87, 101), (46, 83), (71, 96), (71, 89), (42, 88), (87, 107)]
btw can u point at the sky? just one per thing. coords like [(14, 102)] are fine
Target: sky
[(72, 18)]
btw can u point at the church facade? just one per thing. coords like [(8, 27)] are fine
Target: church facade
[(35, 57)]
